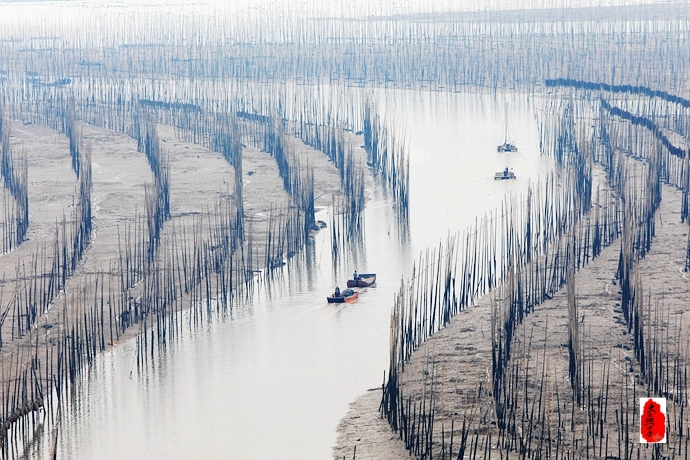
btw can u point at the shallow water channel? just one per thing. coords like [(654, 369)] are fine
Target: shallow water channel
[(272, 378)]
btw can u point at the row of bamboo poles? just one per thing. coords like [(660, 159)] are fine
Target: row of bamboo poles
[(157, 196), (195, 264), (391, 51), (386, 156), (298, 179), (197, 259), (511, 410), (52, 264), (15, 192), (29, 377), (219, 133), (324, 131), (325, 126), (224, 133), (329, 136), (322, 126), (201, 264), (216, 132)]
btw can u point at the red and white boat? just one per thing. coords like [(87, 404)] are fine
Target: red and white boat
[(347, 296)]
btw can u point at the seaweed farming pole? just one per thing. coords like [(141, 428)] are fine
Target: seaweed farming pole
[(221, 133), (72, 130), (629, 89), (298, 181), (685, 186), (386, 155), (227, 141), (157, 196), (324, 132), (14, 170), (574, 352)]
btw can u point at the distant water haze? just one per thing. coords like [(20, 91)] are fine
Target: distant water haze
[(314, 8)]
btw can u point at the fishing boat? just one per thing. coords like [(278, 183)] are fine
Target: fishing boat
[(362, 280), (348, 295), (506, 174), (506, 146)]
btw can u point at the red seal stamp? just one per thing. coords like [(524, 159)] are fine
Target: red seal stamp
[(652, 420)]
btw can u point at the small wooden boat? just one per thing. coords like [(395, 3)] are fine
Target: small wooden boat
[(507, 147), (348, 295), (505, 175), (362, 280)]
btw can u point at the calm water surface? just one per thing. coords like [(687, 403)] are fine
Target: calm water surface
[(271, 379)]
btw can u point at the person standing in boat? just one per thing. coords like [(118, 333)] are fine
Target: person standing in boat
[(337, 291), (355, 275), (505, 172)]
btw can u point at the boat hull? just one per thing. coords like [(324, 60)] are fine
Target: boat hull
[(363, 280), (341, 299), (507, 148), (502, 176)]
